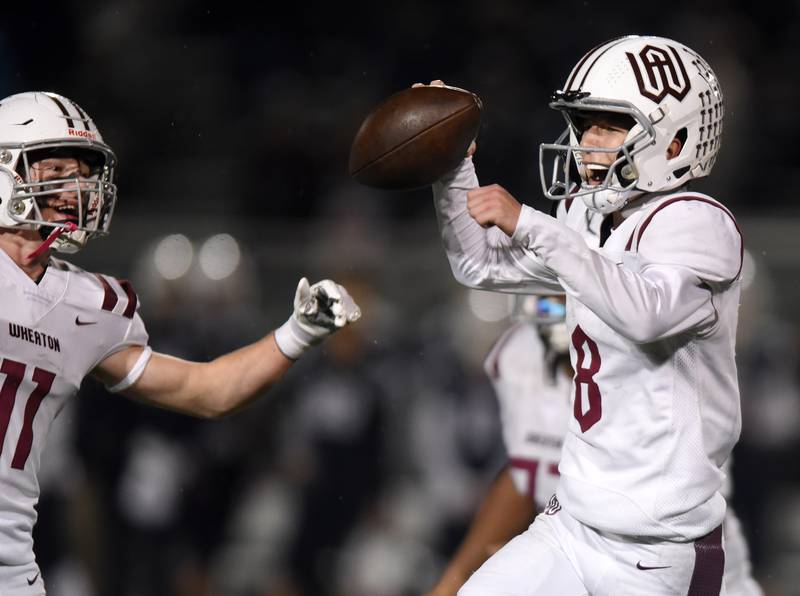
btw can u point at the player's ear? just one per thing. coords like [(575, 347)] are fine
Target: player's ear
[(674, 148), (677, 143)]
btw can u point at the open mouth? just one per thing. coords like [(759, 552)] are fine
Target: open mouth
[(65, 213), (595, 174)]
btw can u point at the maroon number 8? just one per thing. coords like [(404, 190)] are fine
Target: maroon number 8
[(585, 376), (15, 373)]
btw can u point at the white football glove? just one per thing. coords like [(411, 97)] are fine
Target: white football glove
[(319, 310)]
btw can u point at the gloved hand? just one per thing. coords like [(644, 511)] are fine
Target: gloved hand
[(319, 310)]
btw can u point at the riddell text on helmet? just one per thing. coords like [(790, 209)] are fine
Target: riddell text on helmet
[(88, 134)]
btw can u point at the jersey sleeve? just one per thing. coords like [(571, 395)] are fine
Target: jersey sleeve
[(135, 335), (484, 258), (668, 294), (131, 333)]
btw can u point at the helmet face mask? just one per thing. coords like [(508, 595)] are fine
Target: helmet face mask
[(667, 90), (51, 134), (569, 176)]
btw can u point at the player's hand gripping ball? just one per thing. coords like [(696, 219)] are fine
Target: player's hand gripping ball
[(415, 137)]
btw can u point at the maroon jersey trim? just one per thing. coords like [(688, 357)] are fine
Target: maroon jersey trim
[(709, 565), (132, 299), (668, 202), (110, 298)]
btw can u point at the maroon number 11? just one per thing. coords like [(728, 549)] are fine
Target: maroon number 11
[(15, 373)]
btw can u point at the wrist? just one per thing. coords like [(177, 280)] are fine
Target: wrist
[(509, 226), (521, 232), (463, 176), (293, 340)]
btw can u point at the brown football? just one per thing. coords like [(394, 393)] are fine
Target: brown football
[(415, 137)]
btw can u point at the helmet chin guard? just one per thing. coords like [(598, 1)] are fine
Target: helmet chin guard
[(667, 90), (37, 126)]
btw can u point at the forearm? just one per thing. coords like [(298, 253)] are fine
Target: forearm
[(230, 382), (643, 306), (503, 514), (211, 389), (480, 257), (234, 380)]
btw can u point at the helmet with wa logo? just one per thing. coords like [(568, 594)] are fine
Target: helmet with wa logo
[(36, 126), (666, 90)]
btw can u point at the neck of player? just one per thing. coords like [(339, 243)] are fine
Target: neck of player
[(20, 245)]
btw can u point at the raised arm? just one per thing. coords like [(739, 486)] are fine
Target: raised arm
[(484, 257), (685, 253), (228, 383)]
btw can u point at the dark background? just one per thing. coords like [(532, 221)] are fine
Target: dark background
[(234, 118)]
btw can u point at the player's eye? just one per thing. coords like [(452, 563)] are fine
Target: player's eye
[(46, 171), (580, 124)]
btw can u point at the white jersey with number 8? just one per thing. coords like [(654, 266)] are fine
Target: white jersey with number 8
[(652, 314), (535, 410)]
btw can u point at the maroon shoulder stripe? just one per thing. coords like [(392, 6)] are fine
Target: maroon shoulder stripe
[(132, 299), (630, 240), (677, 199), (110, 298), (709, 565)]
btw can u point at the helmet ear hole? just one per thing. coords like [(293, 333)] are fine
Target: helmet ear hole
[(681, 135), (680, 171)]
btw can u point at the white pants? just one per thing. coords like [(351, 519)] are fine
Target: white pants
[(21, 580), (559, 556)]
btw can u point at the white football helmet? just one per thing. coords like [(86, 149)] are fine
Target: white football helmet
[(549, 314), (36, 125), (667, 90)]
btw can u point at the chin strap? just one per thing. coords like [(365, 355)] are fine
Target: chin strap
[(54, 235)]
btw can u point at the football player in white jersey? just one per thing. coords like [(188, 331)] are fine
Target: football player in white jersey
[(530, 371), (532, 377), (652, 310), (60, 323)]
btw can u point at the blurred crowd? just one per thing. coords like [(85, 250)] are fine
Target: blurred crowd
[(359, 475)]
